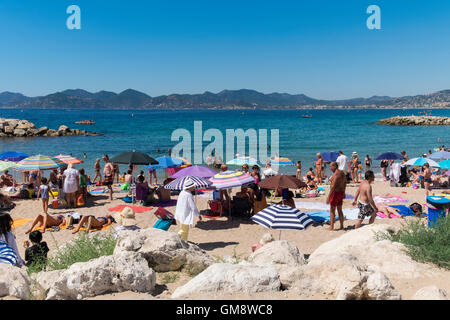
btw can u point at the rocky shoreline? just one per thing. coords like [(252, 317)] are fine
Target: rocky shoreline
[(416, 121), (23, 128)]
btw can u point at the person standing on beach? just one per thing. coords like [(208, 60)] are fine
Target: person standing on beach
[(186, 209), (71, 185), (319, 164), (97, 168), (405, 156), (342, 162), (368, 162), (108, 171), (427, 178), (298, 173), (43, 193), (336, 195), (366, 205)]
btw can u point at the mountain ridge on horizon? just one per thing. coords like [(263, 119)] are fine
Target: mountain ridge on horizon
[(225, 99)]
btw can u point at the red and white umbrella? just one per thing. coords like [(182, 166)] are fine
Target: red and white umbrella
[(68, 159)]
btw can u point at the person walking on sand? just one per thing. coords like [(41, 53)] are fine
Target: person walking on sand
[(366, 205), (108, 171), (186, 209), (336, 195), (97, 168), (44, 193)]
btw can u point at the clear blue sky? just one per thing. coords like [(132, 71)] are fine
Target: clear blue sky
[(320, 48)]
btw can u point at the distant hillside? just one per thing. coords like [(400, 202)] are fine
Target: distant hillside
[(243, 98)]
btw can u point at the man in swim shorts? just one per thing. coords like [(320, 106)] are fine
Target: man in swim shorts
[(427, 178), (337, 195), (366, 205)]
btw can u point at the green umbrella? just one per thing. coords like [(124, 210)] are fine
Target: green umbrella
[(6, 165)]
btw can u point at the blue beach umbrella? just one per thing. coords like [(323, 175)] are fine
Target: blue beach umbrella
[(390, 156), (283, 218), (421, 162), (240, 161), (444, 164), (13, 156), (440, 155), (166, 162)]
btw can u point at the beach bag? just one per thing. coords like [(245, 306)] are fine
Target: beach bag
[(80, 200), (55, 204), (163, 224), (416, 208)]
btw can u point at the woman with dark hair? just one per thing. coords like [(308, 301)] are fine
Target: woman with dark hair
[(255, 173), (259, 200), (6, 236)]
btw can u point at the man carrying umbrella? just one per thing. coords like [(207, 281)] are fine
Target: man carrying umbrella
[(186, 209), (336, 195)]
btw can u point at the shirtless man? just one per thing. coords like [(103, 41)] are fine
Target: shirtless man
[(336, 195), (366, 205), (427, 177), (108, 171)]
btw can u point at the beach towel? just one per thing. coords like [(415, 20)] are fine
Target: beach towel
[(311, 205), (389, 199), (20, 222), (324, 215), (136, 209), (98, 191), (7, 254), (404, 210), (127, 199), (170, 203)]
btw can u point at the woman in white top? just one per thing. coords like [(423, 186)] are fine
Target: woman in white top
[(186, 209), (6, 236), (71, 184)]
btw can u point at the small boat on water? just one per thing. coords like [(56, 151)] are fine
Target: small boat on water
[(306, 116), (85, 122)]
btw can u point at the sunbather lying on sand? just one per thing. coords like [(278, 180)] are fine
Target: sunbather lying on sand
[(390, 210), (49, 222), (93, 222)]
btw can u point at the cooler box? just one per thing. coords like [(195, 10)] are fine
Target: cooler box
[(434, 215), (441, 204)]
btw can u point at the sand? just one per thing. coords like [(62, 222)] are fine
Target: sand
[(224, 237)]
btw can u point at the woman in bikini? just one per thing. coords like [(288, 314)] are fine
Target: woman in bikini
[(94, 222), (97, 168), (47, 221), (319, 164)]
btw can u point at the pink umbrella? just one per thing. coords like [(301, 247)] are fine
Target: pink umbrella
[(195, 171)]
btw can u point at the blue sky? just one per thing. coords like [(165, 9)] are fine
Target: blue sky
[(320, 48)]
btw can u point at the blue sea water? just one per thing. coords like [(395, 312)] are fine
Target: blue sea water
[(300, 138)]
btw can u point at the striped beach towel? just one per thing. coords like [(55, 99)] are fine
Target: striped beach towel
[(7, 254)]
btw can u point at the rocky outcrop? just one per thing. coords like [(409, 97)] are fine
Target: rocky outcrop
[(24, 128), (430, 293), (14, 282), (127, 271), (416, 121), (229, 278), (163, 250)]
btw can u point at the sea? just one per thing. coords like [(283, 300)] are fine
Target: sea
[(150, 131)]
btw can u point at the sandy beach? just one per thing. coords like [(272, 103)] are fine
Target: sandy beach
[(223, 237)]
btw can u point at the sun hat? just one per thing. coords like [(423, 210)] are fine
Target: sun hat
[(188, 183), (126, 217)]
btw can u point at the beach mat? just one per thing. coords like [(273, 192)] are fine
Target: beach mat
[(324, 215), (119, 208), (389, 199), (170, 203), (20, 222), (404, 210)]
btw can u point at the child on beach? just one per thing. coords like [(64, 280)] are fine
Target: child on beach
[(37, 253), (43, 193)]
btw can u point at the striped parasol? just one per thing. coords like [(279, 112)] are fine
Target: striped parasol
[(421, 162), (239, 161), (230, 179), (7, 254), (38, 162), (178, 183), (281, 162), (282, 217), (6, 165), (68, 159)]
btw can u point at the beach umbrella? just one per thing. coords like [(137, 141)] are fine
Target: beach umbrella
[(38, 162), (281, 162), (166, 162), (230, 179), (68, 159), (178, 183), (6, 165), (444, 164), (185, 164), (133, 157), (13, 156), (421, 161), (390, 156), (440, 155), (239, 161), (281, 181), (329, 156), (283, 218), (195, 171)]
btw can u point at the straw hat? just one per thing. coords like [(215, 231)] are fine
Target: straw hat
[(126, 217)]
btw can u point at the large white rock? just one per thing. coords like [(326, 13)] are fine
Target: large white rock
[(164, 251), (14, 282), (44, 280), (229, 278), (127, 271), (430, 293), (384, 256)]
